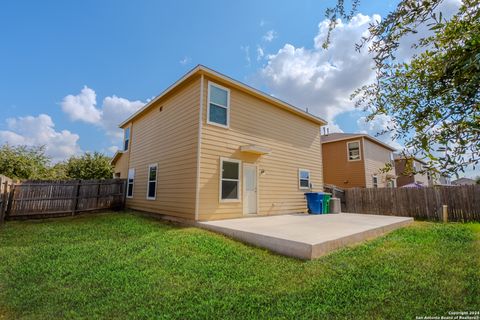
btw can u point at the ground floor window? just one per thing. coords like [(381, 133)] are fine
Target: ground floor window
[(131, 177), (303, 178), (152, 182), (375, 181), (229, 179)]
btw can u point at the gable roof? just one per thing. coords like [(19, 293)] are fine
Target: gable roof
[(464, 180), (334, 137), (200, 69), (116, 156)]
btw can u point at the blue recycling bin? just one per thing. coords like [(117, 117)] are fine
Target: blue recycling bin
[(314, 202)]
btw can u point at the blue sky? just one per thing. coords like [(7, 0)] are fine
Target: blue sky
[(126, 52)]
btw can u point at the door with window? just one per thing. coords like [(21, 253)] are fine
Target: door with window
[(250, 189)]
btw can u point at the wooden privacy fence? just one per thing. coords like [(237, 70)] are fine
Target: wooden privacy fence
[(39, 199), (423, 203)]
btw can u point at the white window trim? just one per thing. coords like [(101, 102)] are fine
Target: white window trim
[(373, 184), (240, 171), (359, 151), (153, 165), (226, 107), (129, 138), (133, 183), (309, 179)]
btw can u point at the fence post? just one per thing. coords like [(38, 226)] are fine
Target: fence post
[(3, 198), (124, 195), (445, 213), (98, 194), (10, 200), (76, 195)]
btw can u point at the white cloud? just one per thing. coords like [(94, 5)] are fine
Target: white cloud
[(246, 50), (405, 51), (37, 131), (260, 53), (113, 149), (82, 106), (186, 60), (113, 110), (319, 79), (262, 23), (270, 35), (380, 129)]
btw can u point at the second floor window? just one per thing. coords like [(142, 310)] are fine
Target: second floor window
[(218, 105), (353, 150), (126, 139)]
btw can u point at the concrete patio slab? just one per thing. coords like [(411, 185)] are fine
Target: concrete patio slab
[(306, 236)]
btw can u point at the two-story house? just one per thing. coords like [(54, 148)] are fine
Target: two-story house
[(410, 170), (210, 147), (357, 160)]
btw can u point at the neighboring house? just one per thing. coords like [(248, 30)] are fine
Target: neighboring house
[(408, 170), (356, 160), (442, 180), (464, 182), (210, 147)]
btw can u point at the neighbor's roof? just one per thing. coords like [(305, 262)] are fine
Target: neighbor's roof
[(200, 69), (334, 137), (116, 156)]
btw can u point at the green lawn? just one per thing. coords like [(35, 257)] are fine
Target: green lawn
[(121, 266)]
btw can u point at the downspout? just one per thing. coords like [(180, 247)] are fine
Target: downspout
[(199, 148)]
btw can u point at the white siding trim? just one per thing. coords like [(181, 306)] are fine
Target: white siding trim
[(368, 182), (199, 150)]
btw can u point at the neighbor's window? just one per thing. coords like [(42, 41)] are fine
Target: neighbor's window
[(391, 184), (126, 138), (353, 150), (303, 179), (375, 181), (218, 105), (230, 179), (131, 177), (152, 182)]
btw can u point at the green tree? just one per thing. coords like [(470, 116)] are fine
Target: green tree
[(89, 166), (24, 162), (433, 98)]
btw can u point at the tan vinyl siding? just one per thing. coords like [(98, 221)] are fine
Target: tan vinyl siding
[(167, 138), (294, 143), (121, 166), (376, 157), (337, 170)]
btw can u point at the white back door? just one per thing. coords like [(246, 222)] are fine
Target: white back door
[(250, 189)]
